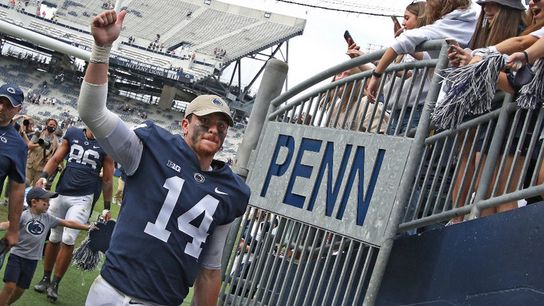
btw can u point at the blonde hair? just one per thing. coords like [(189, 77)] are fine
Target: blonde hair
[(342, 90), (436, 9), (418, 9)]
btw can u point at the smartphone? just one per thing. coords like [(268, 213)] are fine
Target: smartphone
[(452, 42), (396, 22), (348, 38)]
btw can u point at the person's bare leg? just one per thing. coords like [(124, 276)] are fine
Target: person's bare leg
[(514, 182), (61, 266), (502, 180), (63, 260), (16, 295), (51, 253), (463, 178), (6, 293)]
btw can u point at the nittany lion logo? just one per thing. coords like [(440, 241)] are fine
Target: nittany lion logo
[(217, 101), (199, 178), (35, 227)]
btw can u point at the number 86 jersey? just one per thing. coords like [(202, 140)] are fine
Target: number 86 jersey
[(170, 210)]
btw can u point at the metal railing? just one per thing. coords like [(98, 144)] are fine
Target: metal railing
[(489, 160)]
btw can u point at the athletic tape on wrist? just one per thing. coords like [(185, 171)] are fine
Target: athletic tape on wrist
[(100, 54)]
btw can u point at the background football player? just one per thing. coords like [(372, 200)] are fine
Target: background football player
[(78, 187), (13, 155)]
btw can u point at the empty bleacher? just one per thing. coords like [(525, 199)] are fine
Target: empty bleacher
[(78, 11), (201, 30), (251, 39), (147, 19), (142, 56)]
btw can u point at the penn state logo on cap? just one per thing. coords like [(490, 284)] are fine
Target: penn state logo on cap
[(208, 104), (13, 93)]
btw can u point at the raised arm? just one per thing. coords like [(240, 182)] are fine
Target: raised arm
[(386, 60), (116, 138), (354, 51)]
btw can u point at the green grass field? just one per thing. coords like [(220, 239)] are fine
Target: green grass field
[(75, 283)]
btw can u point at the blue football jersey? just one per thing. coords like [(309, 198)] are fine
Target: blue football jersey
[(84, 163), (170, 209), (13, 154)]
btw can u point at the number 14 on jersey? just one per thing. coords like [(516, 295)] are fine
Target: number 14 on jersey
[(206, 205)]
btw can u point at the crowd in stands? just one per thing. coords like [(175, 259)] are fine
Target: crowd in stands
[(500, 27)]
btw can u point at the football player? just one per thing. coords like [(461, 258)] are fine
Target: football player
[(179, 201), (78, 187), (13, 155)]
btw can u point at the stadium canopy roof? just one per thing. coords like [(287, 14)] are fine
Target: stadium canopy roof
[(223, 32)]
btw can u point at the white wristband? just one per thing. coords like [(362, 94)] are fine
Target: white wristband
[(100, 54)]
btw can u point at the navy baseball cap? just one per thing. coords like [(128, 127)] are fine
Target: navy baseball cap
[(13, 93), (39, 193)]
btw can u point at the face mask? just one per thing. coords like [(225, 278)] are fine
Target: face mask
[(51, 129)]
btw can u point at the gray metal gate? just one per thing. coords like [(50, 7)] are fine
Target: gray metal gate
[(327, 200)]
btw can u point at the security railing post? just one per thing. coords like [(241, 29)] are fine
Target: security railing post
[(407, 181), (492, 157), (274, 76)]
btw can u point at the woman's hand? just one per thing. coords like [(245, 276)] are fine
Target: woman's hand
[(458, 56), (372, 88), (354, 51), (516, 60), (399, 31)]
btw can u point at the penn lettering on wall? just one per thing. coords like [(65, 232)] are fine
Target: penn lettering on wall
[(338, 180)]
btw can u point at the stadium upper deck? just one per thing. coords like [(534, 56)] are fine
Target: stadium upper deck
[(195, 35)]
